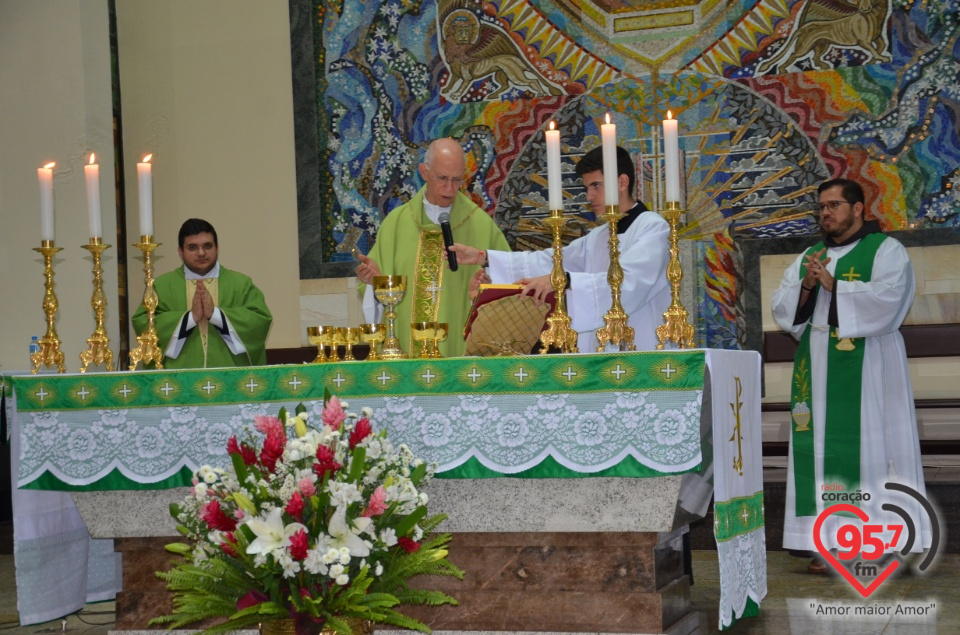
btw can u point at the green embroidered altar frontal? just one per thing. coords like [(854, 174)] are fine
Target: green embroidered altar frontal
[(627, 414)]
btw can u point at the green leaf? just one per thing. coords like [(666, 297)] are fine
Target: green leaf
[(418, 474), (405, 525), (239, 467), (175, 510), (283, 416), (357, 465), (300, 408)]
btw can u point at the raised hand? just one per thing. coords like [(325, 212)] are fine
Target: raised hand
[(367, 269)]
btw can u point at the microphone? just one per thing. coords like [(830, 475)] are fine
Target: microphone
[(444, 219)]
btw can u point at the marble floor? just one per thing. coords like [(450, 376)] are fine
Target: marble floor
[(793, 599)]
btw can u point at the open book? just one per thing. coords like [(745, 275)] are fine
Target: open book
[(504, 322)]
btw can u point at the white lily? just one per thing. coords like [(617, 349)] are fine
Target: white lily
[(344, 535), (270, 532)]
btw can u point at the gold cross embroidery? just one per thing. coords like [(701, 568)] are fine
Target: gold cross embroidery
[(850, 275), (845, 344), (736, 406)]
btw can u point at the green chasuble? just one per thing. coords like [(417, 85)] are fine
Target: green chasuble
[(239, 299), (409, 244)]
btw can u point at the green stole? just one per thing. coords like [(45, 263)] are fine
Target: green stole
[(844, 383)]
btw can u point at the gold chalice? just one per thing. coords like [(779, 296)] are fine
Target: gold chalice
[(423, 332), (389, 291), (440, 336), (351, 336), (320, 336), (372, 334), (339, 338)]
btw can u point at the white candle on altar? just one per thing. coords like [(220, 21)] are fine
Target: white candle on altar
[(145, 184), (45, 176), (91, 173), (554, 180), (611, 180), (671, 159)]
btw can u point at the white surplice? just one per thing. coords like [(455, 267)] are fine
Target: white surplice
[(644, 293), (889, 442)]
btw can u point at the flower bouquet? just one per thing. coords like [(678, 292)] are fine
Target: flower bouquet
[(321, 526)]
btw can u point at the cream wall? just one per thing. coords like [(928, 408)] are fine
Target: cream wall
[(206, 88), (54, 106)]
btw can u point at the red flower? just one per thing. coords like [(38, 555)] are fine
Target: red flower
[(216, 518), (229, 545), (273, 449), (408, 544), (325, 462), (333, 414), (252, 598), (361, 431), (295, 506), (247, 453), (299, 544)]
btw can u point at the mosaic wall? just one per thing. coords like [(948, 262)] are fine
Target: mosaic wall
[(772, 97)]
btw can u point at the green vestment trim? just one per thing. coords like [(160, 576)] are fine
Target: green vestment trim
[(841, 461)]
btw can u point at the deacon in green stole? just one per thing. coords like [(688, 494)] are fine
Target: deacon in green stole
[(853, 426), (410, 243)]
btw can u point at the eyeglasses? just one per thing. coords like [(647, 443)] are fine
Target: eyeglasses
[(832, 205)]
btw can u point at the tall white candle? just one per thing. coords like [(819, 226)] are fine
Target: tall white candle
[(45, 176), (671, 159), (145, 184), (554, 180), (608, 133), (91, 173)]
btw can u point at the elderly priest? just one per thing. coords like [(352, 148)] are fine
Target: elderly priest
[(207, 316)]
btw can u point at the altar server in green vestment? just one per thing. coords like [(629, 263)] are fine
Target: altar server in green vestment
[(207, 316), (853, 425), (409, 242)]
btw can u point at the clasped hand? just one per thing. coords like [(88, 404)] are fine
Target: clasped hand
[(202, 309), (817, 271)]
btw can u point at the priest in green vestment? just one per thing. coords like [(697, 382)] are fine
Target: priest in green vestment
[(207, 316), (410, 243)]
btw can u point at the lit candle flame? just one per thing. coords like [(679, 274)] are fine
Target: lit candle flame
[(50, 165), (608, 117), (551, 125), (93, 158), (147, 158), (669, 115)]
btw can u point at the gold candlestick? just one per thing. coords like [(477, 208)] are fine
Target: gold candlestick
[(49, 353), (147, 350), (98, 345), (615, 329), (675, 328), (558, 331)]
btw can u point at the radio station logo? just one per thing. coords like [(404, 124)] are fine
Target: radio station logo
[(866, 547)]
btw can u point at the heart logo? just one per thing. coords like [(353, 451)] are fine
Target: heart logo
[(854, 582)]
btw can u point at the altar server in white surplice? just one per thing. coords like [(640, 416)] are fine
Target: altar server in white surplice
[(644, 254), (853, 425)]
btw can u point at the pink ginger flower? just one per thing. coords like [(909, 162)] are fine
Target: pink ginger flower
[(269, 424), (378, 503), (333, 414), (306, 486)]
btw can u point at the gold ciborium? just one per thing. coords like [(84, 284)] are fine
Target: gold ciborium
[(320, 336), (372, 334), (389, 291), (348, 337)]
